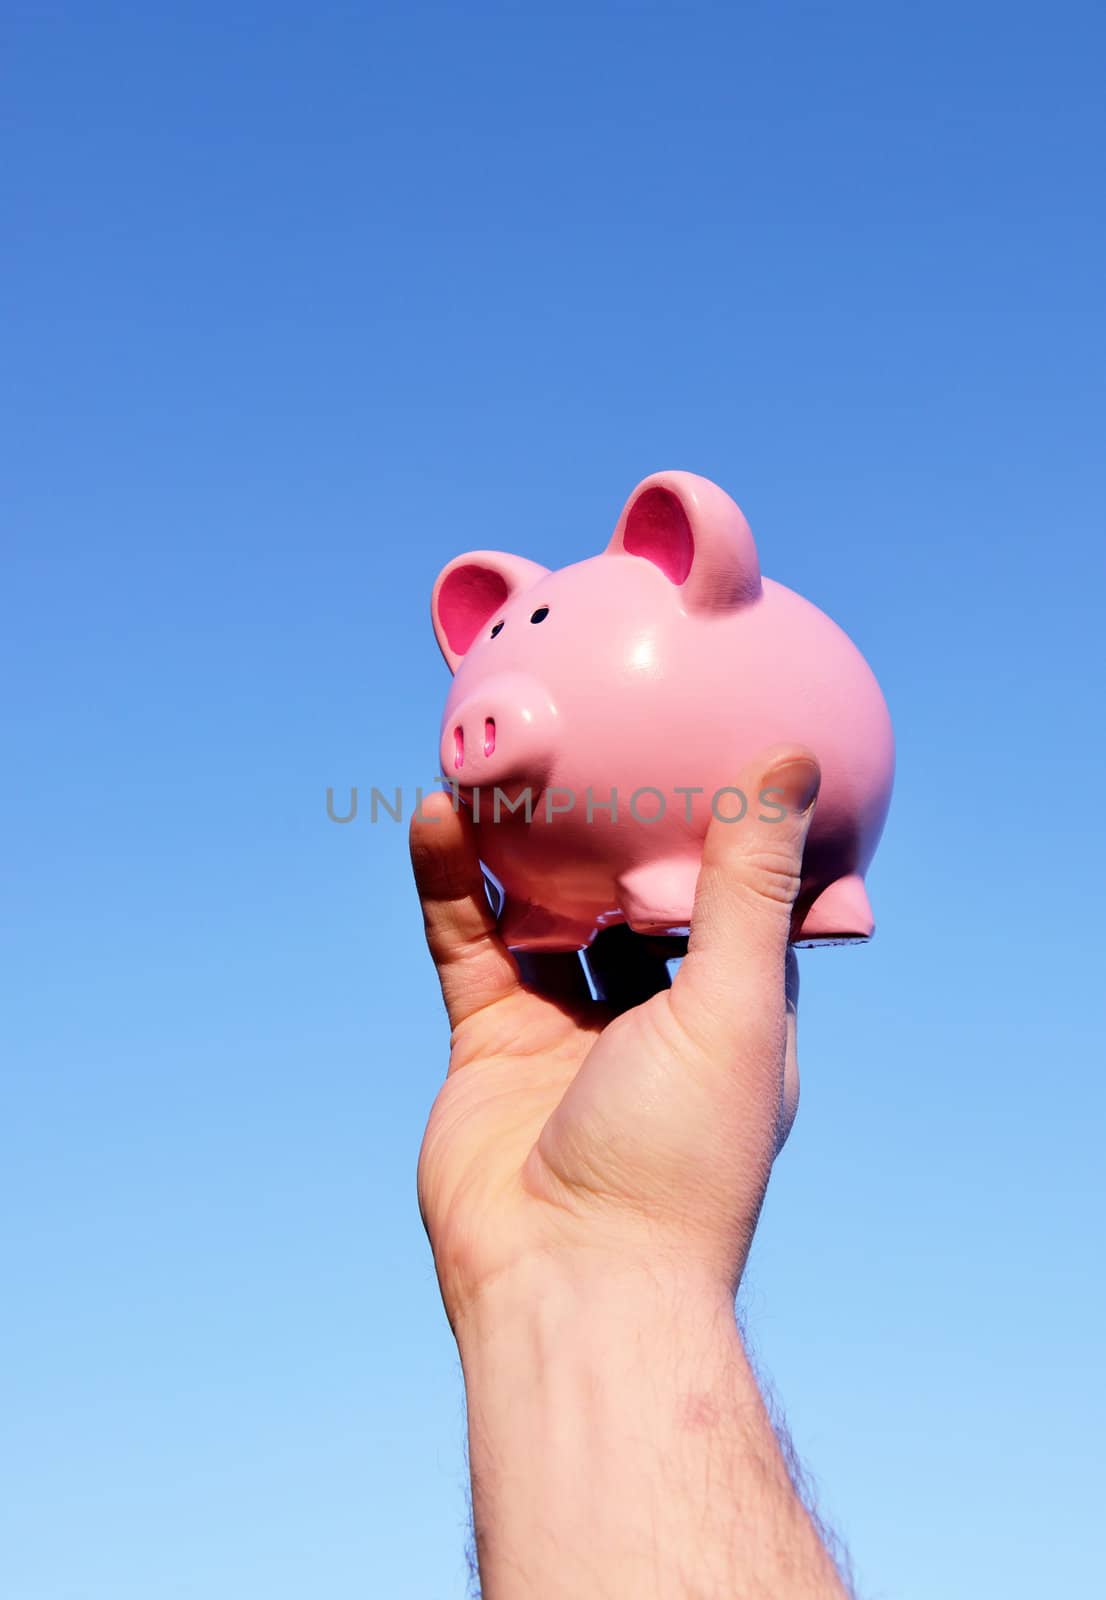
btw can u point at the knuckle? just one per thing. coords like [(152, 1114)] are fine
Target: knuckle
[(772, 873)]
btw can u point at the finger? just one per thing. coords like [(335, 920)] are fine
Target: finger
[(626, 967), (474, 966), (729, 992)]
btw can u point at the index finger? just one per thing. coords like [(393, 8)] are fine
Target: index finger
[(475, 968)]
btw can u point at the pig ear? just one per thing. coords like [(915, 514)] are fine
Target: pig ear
[(697, 536), (468, 593)]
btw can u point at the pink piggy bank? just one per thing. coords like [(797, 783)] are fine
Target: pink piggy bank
[(599, 715)]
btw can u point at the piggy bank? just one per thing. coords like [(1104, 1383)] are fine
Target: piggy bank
[(600, 714)]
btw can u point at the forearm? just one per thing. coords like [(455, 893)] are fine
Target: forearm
[(619, 1446)]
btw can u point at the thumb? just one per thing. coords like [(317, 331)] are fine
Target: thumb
[(729, 992)]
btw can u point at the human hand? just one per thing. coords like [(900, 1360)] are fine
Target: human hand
[(567, 1129)]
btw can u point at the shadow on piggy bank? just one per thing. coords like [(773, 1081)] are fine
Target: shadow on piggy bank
[(599, 715)]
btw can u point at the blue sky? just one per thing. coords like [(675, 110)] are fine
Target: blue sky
[(301, 302)]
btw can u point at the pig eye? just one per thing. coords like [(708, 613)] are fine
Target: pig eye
[(540, 614), (497, 629)]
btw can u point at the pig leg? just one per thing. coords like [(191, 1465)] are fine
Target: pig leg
[(657, 896), (523, 926), (840, 914)]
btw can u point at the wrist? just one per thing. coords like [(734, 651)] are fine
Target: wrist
[(549, 1301)]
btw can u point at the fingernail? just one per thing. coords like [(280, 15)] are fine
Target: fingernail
[(796, 782)]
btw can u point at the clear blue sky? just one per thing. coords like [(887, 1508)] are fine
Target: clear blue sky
[(301, 301)]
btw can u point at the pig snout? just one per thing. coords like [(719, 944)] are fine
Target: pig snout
[(503, 731)]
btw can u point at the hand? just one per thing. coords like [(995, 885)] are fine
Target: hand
[(590, 1179), (566, 1131)]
